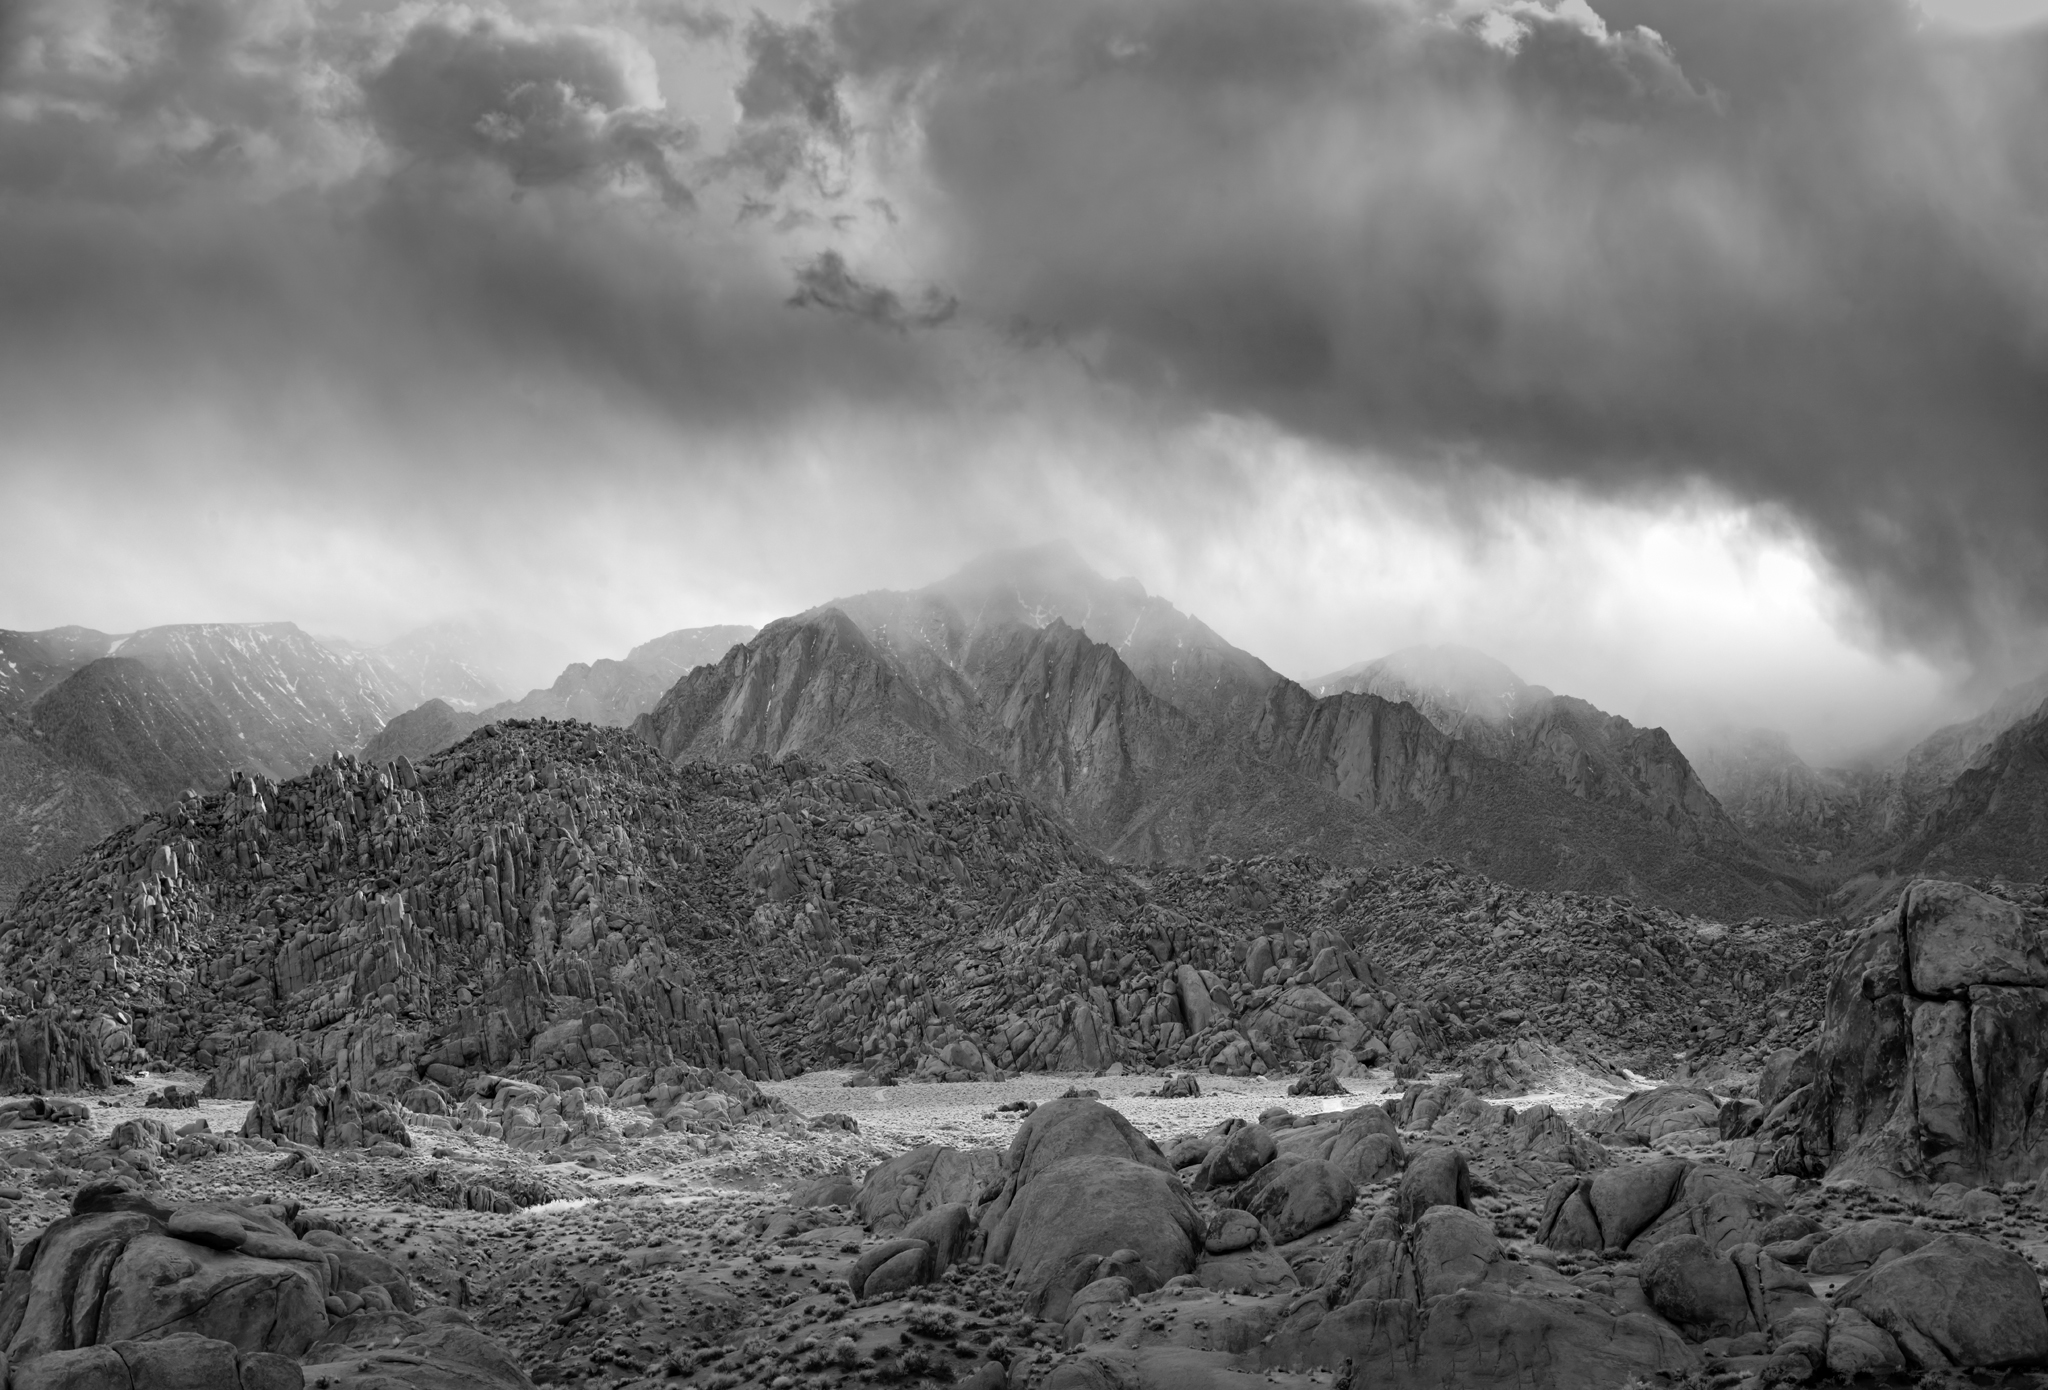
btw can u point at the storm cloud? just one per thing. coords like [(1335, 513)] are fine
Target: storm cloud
[(1791, 247), (1789, 254)]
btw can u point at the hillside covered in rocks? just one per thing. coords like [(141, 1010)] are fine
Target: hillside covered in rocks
[(555, 898), (652, 1037)]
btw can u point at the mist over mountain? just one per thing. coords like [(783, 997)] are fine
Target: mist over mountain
[(1557, 740), (1964, 800)]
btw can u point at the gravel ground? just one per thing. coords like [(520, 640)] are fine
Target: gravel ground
[(964, 1114)]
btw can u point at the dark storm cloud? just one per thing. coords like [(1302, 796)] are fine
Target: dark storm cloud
[(552, 107), (217, 196), (1789, 246), (826, 283)]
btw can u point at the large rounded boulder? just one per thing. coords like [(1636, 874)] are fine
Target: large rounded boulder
[(1956, 1301), (1084, 1185)]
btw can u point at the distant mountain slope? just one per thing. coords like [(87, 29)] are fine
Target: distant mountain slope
[(31, 663), (1873, 820), (157, 732), (604, 692), (1992, 819), (51, 809), (1561, 741), (618, 692), (421, 731), (290, 700), (1803, 813), (470, 661), (985, 671)]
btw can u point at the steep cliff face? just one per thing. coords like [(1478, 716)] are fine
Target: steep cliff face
[(939, 700), (813, 684), (1075, 727), (1466, 693), (1385, 757), (1175, 656)]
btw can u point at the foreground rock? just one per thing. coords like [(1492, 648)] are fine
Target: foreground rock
[(1934, 1040), (128, 1292)]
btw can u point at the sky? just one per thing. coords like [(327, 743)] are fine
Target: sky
[(1689, 357)]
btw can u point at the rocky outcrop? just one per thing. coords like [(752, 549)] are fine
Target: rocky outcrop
[(125, 1292), (382, 1347), (1639, 1207), (1436, 1302), (1926, 1066), (48, 1051)]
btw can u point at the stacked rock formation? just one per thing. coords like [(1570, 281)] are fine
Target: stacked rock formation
[(1927, 1067), (549, 900)]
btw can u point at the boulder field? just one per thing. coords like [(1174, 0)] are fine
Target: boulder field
[(548, 899), (1479, 1247)]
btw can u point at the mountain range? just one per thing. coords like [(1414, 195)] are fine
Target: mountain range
[(1156, 739), (1151, 736)]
